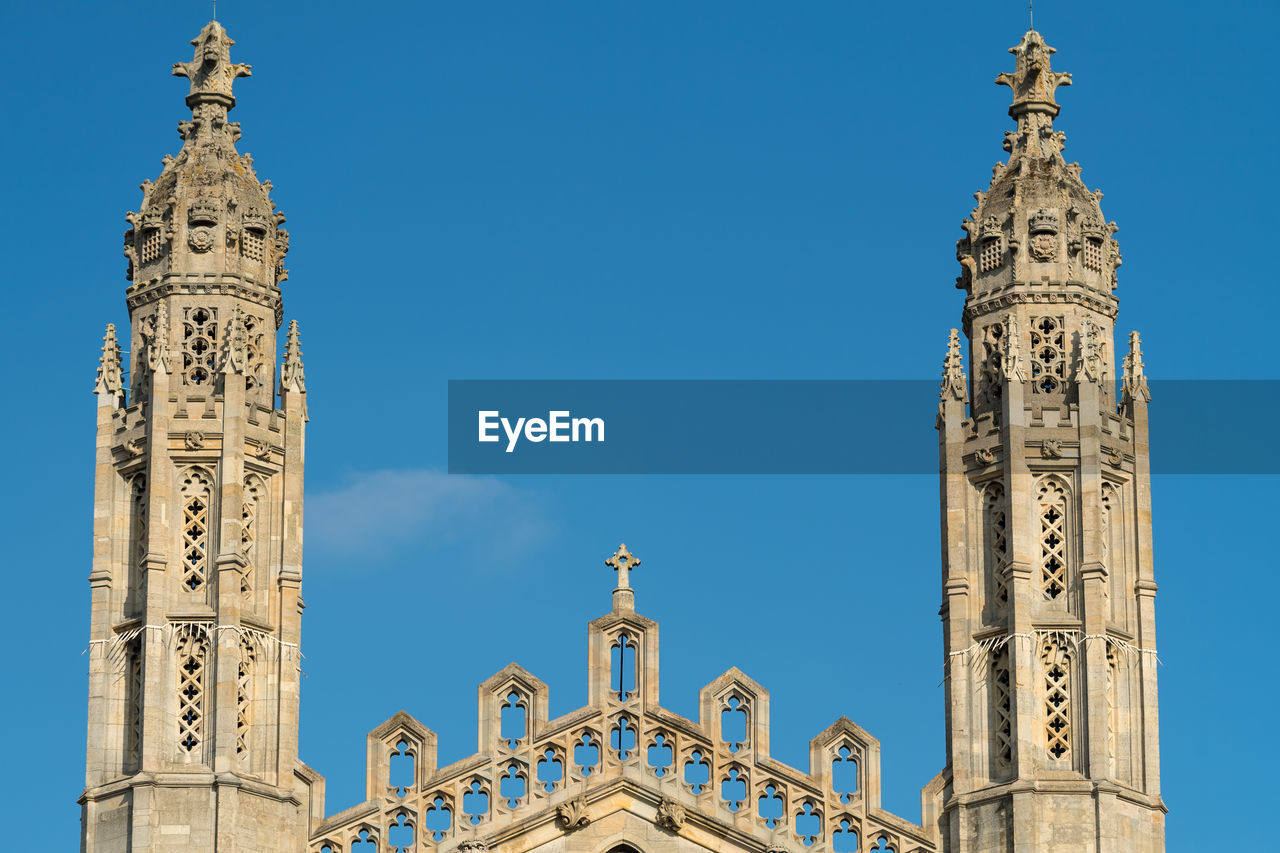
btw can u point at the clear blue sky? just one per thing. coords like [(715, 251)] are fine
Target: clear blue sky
[(638, 190)]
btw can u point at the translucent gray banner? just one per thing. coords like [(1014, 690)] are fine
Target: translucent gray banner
[(801, 427)]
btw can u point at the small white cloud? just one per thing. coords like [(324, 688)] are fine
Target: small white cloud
[(377, 513)]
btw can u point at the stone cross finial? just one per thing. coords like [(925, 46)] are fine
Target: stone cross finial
[(291, 374), (623, 562), (110, 374), (211, 71), (954, 384), (1135, 380)]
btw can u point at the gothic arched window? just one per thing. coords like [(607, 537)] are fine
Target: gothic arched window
[(192, 660), (197, 490), (1055, 660), (995, 544), (1051, 505), (1001, 717), (252, 518)]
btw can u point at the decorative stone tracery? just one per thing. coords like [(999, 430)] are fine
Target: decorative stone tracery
[(692, 774)]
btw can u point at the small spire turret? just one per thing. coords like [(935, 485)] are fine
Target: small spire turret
[(1135, 380), (292, 377), (110, 383), (235, 355), (954, 384)]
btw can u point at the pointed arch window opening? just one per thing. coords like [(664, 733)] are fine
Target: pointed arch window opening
[(845, 837), (244, 698), (133, 704), (550, 770), (438, 818), (733, 789), (697, 772), (140, 506), (475, 803), (586, 753), (844, 774), (808, 824), (622, 667), (191, 694), (402, 768), (1052, 503), (661, 755), (1001, 715), (997, 544), (513, 785), (513, 720), (771, 805), (1056, 665), (623, 738), (401, 834), (733, 723)]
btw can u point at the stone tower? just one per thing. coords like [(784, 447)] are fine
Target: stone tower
[(1048, 591), (197, 548)]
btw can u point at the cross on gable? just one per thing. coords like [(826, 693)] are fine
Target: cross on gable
[(623, 562)]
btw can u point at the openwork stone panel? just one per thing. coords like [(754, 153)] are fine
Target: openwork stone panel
[(995, 541), (1052, 510), (199, 345), (695, 776), (193, 659), (197, 524), (1055, 660)]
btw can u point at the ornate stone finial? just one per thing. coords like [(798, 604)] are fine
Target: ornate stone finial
[(671, 815), (110, 374), (1135, 380), (291, 374), (211, 71), (1012, 349), (623, 562), (573, 814), (235, 355), (954, 384), (472, 845), (1033, 82), (156, 339)]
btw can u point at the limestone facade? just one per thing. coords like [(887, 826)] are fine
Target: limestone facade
[(197, 566), (1048, 588), (197, 552)]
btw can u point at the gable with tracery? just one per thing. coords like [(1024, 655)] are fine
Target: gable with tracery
[(622, 772)]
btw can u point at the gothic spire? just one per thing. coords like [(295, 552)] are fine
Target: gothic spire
[(110, 374), (1135, 380), (207, 213), (291, 374), (235, 354), (954, 384)]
